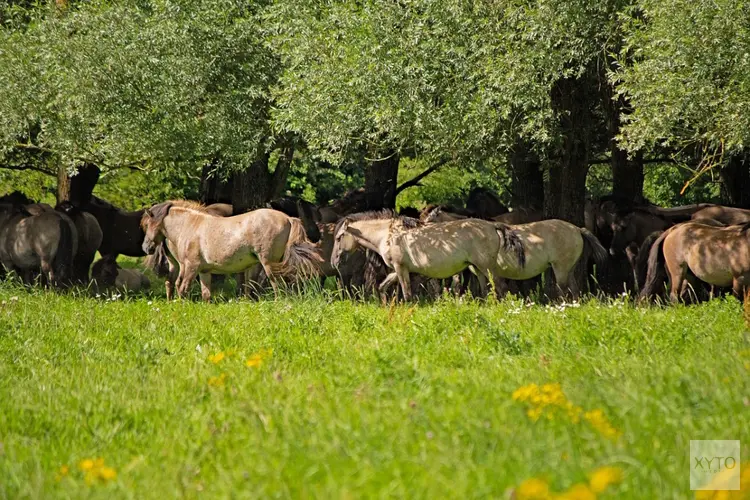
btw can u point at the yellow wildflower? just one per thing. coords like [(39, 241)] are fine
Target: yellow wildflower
[(217, 381), (216, 358), (95, 470), (602, 477), (533, 489), (577, 492), (63, 471), (257, 359), (599, 421), (107, 473)]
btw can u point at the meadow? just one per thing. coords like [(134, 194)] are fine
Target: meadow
[(311, 396)]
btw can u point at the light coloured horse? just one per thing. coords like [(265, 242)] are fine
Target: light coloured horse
[(718, 256), (45, 241), (438, 250), (203, 244), (555, 244)]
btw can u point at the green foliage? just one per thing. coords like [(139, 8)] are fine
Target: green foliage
[(686, 72), (355, 398), (166, 82)]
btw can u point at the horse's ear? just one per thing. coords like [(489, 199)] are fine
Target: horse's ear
[(149, 213)]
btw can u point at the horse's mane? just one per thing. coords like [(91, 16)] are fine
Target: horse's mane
[(385, 214), (744, 227), (189, 204)]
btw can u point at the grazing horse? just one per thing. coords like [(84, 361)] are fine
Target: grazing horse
[(726, 215), (121, 230), (438, 250), (107, 274), (202, 243), (46, 240), (89, 239), (520, 215), (718, 256)]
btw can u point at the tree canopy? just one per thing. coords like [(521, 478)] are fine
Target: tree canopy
[(525, 93)]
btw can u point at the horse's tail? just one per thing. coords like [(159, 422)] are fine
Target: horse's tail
[(655, 266), (511, 241), (158, 261), (300, 256), (641, 261), (62, 264), (594, 248)]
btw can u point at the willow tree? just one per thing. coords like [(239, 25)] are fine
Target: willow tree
[(450, 79), (168, 84), (686, 72)]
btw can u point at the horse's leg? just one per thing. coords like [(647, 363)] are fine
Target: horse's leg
[(188, 271), (48, 273), (267, 268), (205, 286), (404, 281), (677, 282), (171, 282)]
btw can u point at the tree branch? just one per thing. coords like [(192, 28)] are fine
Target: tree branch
[(645, 162), (415, 181), (28, 167)]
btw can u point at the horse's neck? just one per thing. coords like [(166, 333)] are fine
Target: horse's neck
[(373, 234), (179, 224)]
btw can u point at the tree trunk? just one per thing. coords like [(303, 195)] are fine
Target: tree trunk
[(251, 187), (83, 183), (63, 184), (381, 177), (627, 175), (280, 174), (214, 188), (527, 181), (736, 179), (565, 195)]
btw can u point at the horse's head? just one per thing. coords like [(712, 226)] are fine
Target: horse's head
[(105, 271), (623, 233), (16, 198), (152, 224), (343, 242)]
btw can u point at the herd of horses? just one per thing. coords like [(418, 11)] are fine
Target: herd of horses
[(479, 248)]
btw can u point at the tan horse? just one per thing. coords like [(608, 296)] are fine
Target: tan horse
[(107, 274), (557, 244), (719, 256), (45, 241), (438, 250), (726, 215), (202, 243)]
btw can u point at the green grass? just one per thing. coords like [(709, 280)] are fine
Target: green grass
[(357, 400)]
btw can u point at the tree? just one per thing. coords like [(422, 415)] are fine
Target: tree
[(685, 69), (167, 84)]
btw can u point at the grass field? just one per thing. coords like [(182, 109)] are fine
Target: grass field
[(315, 397)]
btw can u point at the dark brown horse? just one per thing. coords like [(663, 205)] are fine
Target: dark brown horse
[(485, 203), (121, 230), (29, 243), (89, 240), (726, 215)]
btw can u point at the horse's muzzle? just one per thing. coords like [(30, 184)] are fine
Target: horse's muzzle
[(149, 247)]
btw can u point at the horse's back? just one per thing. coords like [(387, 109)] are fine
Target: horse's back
[(727, 215)]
